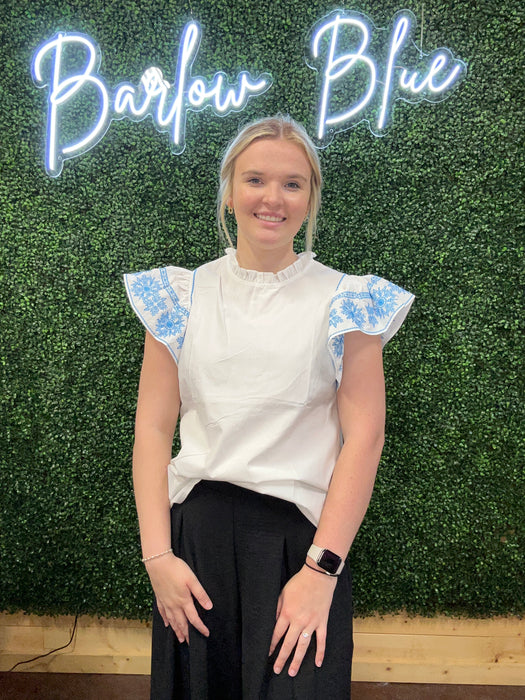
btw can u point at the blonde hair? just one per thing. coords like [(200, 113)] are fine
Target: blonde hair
[(278, 127)]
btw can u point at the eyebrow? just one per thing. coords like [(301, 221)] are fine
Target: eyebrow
[(288, 177)]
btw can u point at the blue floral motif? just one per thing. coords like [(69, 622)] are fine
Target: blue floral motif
[(154, 305), (145, 285), (352, 311), (171, 324), (148, 289), (158, 306), (338, 344), (384, 297), (383, 302), (370, 307), (373, 314), (334, 319)]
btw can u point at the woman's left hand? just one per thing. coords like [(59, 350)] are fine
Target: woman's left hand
[(302, 609)]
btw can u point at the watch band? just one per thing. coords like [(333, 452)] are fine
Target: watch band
[(326, 560)]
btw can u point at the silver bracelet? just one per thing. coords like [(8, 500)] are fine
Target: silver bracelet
[(156, 556)]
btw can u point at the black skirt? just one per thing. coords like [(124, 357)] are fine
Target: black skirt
[(244, 547)]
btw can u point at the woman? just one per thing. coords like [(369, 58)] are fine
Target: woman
[(269, 357)]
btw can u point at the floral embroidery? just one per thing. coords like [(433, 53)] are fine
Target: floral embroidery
[(154, 304), (145, 286), (366, 310), (370, 311), (172, 324), (351, 310), (334, 319), (159, 307), (338, 345)]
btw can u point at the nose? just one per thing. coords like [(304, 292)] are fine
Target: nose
[(273, 195)]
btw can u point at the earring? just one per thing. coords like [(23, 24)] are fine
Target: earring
[(230, 210)]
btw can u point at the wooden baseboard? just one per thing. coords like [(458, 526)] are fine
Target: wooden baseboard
[(400, 649), (395, 649)]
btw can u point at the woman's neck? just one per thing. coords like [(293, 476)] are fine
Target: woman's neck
[(271, 260)]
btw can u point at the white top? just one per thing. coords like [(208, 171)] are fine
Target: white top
[(259, 359)]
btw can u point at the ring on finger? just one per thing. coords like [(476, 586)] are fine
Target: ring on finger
[(306, 635)]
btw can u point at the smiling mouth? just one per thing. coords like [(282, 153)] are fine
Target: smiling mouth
[(272, 219)]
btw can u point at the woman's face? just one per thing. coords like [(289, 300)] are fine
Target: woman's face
[(270, 193)]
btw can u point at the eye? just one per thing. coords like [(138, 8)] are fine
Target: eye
[(254, 181), (293, 185)]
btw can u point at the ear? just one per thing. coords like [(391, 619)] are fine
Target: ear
[(229, 202)]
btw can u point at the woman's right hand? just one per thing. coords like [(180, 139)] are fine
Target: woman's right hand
[(175, 585)]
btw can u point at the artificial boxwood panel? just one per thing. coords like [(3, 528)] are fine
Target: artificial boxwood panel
[(435, 205)]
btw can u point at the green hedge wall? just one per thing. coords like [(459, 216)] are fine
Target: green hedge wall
[(435, 205)]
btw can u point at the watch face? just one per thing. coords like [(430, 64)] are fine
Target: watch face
[(329, 561)]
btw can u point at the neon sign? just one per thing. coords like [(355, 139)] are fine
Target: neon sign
[(154, 96), (362, 71), (361, 75)]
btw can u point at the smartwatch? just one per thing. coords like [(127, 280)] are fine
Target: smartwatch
[(326, 560)]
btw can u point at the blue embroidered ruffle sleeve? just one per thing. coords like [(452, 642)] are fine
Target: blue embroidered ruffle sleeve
[(161, 298), (369, 304)]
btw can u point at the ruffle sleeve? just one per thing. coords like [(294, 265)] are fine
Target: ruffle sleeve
[(161, 298), (369, 304)]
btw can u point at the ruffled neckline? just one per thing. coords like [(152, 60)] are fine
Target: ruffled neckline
[(284, 275)]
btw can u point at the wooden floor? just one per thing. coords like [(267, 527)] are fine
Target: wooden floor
[(77, 686)]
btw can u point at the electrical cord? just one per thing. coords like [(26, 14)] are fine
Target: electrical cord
[(53, 651)]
